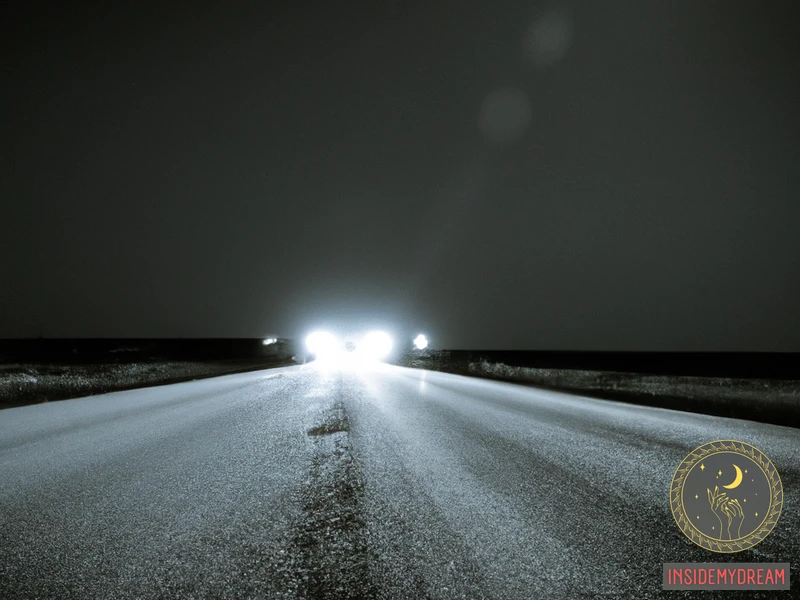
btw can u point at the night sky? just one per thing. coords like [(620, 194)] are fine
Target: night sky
[(519, 175)]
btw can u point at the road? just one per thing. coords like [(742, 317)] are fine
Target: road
[(383, 482)]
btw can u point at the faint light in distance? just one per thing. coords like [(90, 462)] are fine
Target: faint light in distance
[(269, 341), (421, 342)]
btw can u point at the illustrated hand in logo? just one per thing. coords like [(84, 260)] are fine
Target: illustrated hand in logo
[(728, 512), (733, 510), (716, 500)]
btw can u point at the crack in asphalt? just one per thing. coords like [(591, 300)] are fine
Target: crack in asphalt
[(336, 421), (327, 555)]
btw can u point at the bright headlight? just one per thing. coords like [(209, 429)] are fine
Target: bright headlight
[(421, 342), (376, 344), (322, 344)]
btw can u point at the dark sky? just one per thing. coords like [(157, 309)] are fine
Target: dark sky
[(612, 175)]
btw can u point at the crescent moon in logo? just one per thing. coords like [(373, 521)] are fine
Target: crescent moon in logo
[(736, 481)]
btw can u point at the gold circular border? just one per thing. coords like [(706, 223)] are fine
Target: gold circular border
[(685, 523)]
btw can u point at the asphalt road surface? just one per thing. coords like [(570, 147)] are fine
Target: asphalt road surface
[(306, 482)]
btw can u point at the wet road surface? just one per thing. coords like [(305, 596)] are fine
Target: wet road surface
[(373, 482)]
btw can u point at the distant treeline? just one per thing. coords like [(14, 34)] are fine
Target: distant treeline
[(748, 365), (84, 350)]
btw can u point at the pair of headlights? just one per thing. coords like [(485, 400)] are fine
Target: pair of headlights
[(375, 344)]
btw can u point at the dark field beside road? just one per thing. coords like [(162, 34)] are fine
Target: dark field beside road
[(33, 371), (22, 384), (758, 387)]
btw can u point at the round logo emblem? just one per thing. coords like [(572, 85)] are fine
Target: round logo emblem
[(726, 496)]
